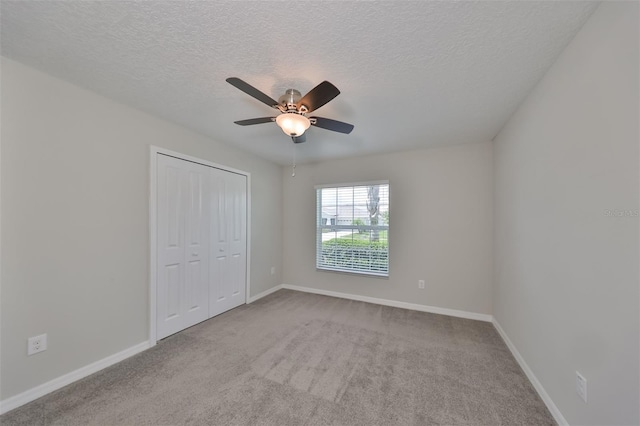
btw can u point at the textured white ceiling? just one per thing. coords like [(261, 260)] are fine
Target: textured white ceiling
[(412, 74)]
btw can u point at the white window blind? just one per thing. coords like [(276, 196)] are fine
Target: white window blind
[(352, 228)]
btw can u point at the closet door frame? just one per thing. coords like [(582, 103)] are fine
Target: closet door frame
[(153, 223)]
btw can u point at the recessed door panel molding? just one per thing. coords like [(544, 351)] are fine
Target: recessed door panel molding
[(219, 201), (199, 246), (195, 222), (195, 288), (173, 199), (236, 264), (172, 291)]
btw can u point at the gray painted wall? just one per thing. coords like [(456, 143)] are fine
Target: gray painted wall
[(75, 220), (440, 226), (566, 288)]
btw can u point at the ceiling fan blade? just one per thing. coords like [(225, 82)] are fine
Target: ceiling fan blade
[(251, 121), (318, 96), (334, 125), (299, 139), (252, 91)]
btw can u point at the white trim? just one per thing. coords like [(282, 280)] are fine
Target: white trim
[(265, 293), (395, 303), (153, 173), (555, 412), (247, 292), (186, 157), (153, 254), (1, 267), (55, 384), (353, 272), (342, 185)]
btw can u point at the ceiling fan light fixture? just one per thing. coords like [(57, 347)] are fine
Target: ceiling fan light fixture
[(292, 123)]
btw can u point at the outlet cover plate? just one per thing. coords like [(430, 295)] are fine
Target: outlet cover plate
[(581, 386), (36, 344)]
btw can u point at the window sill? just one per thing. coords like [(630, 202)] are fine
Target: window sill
[(358, 273)]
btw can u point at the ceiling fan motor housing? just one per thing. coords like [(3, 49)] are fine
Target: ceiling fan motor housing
[(290, 99)]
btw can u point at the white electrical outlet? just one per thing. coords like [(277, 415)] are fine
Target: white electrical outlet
[(273, 270), (581, 386), (36, 344), (420, 283)]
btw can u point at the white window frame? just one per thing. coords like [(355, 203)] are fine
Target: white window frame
[(320, 226)]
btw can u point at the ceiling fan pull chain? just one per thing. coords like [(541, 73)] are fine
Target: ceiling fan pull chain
[(293, 169)]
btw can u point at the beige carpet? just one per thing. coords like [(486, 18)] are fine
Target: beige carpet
[(301, 359)]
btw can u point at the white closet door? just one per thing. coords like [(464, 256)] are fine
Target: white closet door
[(183, 245), (228, 241)]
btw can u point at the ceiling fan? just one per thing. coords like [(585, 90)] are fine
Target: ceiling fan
[(294, 108)]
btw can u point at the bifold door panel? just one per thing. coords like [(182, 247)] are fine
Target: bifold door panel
[(228, 237)]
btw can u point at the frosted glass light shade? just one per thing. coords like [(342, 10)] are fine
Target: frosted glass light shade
[(293, 124)]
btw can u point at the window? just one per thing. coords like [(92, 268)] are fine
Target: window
[(352, 228)]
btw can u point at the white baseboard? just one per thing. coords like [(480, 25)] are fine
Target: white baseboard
[(394, 303), (57, 383), (555, 412), (264, 293)]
